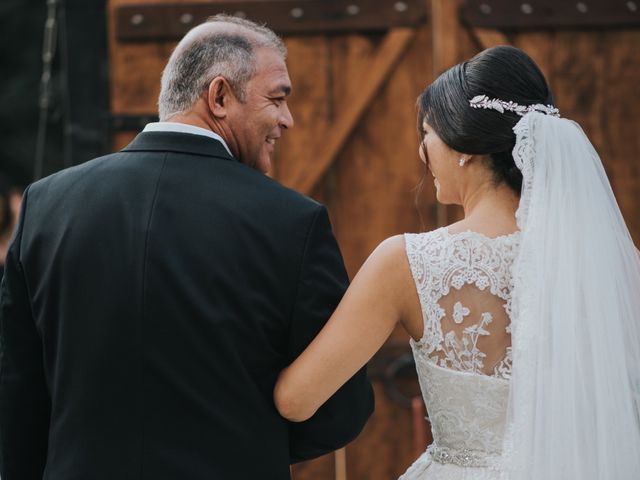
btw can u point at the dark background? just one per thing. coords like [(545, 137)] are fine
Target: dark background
[(77, 124)]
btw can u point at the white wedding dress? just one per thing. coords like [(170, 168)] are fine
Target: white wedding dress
[(464, 282)]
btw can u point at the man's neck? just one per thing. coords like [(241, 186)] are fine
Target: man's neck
[(190, 120)]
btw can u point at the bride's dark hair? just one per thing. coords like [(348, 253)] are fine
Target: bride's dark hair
[(503, 72)]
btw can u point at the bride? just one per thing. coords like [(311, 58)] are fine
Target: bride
[(524, 316)]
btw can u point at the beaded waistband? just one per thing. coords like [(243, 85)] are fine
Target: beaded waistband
[(463, 457)]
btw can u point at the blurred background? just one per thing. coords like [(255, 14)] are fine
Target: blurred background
[(79, 78)]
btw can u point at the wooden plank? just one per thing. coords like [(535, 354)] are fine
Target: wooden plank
[(121, 140), (593, 74), (539, 46), (341, 464), (135, 70), (446, 30), (578, 80), (371, 198), (487, 37), (621, 122), (321, 467), (370, 81), (536, 14), (170, 21), (376, 172), (445, 52), (350, 55), (308, 64)]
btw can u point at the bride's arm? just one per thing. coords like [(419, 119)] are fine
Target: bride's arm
[(377, 299)]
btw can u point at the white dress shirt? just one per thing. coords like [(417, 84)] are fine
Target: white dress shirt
[(184, 128)]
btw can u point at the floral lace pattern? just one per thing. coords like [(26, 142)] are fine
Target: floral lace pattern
[(466, 357), (464, 285), (468, 415), (440, 261), (523, 155)]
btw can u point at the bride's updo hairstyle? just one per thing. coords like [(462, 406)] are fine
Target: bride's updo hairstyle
[(503, 72)]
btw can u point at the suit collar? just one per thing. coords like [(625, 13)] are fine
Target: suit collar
[(179, 143)]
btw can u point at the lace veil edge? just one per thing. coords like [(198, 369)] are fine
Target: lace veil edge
[(573, 402)]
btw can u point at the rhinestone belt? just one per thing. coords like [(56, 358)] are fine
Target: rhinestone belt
[(463, 457)]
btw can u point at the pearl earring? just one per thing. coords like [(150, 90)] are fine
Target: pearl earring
[(462, 162)]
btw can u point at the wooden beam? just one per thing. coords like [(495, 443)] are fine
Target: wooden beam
[(369, 83), (170, 21), (488, 38), (536, 14), (446, 32), (445, 27), (340, 457)]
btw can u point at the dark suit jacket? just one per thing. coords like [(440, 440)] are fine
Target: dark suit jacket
[(150, 300)]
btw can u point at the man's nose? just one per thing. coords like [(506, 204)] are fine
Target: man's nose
[(286, 121)]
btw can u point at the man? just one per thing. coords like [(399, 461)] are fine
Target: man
[(152, 296)]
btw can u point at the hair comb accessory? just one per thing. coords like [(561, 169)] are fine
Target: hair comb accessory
[(482, 101)]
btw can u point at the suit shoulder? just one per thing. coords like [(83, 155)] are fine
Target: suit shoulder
[(280, 193), (71, 174)]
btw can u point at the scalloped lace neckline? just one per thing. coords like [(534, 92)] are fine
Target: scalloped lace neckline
[(471, 233)]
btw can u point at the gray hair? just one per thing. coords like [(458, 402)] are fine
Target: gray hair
[(222, 46)]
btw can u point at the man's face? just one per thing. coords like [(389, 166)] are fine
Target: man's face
[(257, 123)]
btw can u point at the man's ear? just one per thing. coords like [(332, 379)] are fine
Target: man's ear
[(219, 95)]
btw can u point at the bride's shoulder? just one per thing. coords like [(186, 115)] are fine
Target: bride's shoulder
[(396, 245), (394, 250), (388, 255), (387, 265), (389, 249)]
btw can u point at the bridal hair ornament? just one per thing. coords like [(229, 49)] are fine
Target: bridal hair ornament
[(482, 101)]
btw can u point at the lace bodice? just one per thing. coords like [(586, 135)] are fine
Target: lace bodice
[(463, 359), (464, 284)]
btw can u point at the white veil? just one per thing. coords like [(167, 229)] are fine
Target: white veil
[(574, 407)]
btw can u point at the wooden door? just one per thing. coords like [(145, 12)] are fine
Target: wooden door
[(354, 148), (370, 186), (375, 187)]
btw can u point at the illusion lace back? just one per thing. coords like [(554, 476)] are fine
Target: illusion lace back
[(463, 359)]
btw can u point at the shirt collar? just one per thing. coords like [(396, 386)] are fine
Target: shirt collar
[(184, 128)]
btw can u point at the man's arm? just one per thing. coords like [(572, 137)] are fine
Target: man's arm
[(24, 398), (322, 283)]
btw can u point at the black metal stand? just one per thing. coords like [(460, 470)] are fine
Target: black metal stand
[(83, 50)]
